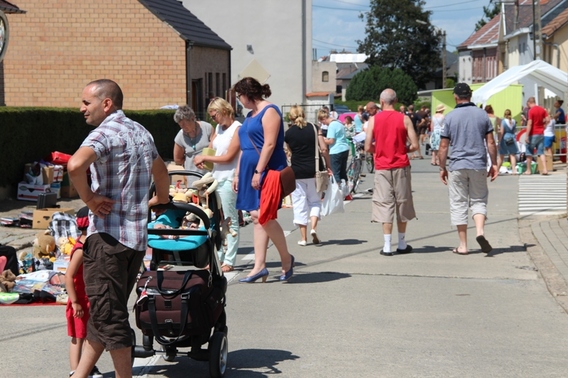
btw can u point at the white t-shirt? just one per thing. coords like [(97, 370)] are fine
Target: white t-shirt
[(224, 171), (549, 129)]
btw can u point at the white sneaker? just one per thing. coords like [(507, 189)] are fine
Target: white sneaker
[(302, 243)]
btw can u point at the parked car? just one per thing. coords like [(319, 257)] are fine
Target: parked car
[(340, 109)]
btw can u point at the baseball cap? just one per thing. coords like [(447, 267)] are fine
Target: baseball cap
[(83, 218), (462, 89)]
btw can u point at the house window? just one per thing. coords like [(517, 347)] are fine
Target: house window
[(224, 82), (325, 76)]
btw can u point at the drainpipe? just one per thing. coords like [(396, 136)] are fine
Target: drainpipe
[(304, 78), (188, 46), (555, 45)]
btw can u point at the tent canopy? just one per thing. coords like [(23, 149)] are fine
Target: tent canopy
[(542, 73)]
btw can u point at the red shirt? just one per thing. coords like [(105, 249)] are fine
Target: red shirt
[(390, 137), (537, 115)]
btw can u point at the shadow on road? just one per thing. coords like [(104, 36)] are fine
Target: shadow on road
[(318, 277)]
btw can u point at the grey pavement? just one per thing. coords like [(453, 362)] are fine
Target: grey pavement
[(350, 312)]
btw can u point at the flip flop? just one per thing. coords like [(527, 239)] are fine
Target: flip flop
[(455, 250), (484, 244)]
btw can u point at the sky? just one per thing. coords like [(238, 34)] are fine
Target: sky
[(336, 25)]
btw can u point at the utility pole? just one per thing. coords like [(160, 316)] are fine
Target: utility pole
[(444, 68), (537, 32)]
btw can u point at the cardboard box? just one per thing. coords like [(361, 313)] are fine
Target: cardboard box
[(42, 217), (176, 178), (57, 173), (61, 264), (548, 164), (69, 192), (28, 192), (67, 188), (47, 173)]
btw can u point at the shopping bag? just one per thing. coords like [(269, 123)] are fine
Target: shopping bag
[(333, 199)]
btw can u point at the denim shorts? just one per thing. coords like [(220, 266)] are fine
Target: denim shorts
[(536, 141), (548, 141)]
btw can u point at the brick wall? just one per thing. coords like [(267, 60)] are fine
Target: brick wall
[(58, 46)]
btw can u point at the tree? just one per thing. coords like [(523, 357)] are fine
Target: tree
[(369, 84), (488, 13), (399, 35)]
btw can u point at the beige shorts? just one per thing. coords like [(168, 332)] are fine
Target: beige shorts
[(468, 190), (392, 193)]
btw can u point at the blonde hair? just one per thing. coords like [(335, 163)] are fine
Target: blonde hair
[(221, 106), (322, 114), (297, 116), (507, 114)]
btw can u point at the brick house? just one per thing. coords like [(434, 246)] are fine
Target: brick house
[(157, 50)]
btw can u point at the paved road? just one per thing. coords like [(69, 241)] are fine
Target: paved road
[(349, 312)]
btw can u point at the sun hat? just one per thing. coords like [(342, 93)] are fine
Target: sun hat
[(440, 108)]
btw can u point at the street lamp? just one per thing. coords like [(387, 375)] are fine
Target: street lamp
[(443, 32)]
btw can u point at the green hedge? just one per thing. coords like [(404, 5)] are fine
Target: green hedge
[(31, 134)]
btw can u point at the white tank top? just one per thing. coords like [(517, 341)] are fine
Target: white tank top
[(224, 171)]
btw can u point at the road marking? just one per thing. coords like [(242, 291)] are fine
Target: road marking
[(542, 195)]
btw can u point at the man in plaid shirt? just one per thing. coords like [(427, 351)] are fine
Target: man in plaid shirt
[(122, 158)]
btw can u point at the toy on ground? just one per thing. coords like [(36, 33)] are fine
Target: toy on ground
[(7, 281), (44, 250), (44, 245)]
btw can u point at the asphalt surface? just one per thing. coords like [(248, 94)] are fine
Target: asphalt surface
[(350, 312)]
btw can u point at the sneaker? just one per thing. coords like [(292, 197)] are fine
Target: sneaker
[(302, 243), (95, 373)]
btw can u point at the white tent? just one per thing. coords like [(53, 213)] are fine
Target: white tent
[(538, 71)]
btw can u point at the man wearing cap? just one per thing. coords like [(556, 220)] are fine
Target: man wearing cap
[(468, 130), (392, 191)]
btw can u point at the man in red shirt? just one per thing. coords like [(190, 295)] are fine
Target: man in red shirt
[(387, 135), (538, 118)]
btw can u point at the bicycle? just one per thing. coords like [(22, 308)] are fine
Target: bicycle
[(354, 168)]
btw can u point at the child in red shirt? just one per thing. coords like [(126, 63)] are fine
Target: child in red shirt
[(77, 311)]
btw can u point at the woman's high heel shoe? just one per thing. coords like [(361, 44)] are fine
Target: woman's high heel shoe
[(262, 274), (289, 273)]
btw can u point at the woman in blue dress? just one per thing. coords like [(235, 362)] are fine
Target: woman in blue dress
[(262, 148)]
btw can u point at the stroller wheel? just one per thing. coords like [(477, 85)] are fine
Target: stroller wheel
[(218, 351), (170, 354)]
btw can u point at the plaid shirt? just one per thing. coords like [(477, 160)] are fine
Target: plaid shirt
[(123, 171)]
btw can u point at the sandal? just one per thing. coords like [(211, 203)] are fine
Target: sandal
[(227, 268), (484, 244), (455, 250)]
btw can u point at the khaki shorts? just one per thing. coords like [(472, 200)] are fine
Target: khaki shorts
[(392, 193), (467, 190), (109, 271)]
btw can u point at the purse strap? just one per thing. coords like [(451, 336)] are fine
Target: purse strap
[(317, 150)]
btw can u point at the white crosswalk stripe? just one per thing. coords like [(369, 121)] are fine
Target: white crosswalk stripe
[(542, 195)]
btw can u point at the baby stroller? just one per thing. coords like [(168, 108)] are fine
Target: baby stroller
[(181, 299)]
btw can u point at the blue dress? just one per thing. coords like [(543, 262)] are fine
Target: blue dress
[(251, 131)]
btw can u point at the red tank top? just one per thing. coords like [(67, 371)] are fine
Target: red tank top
[(390, 140)]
